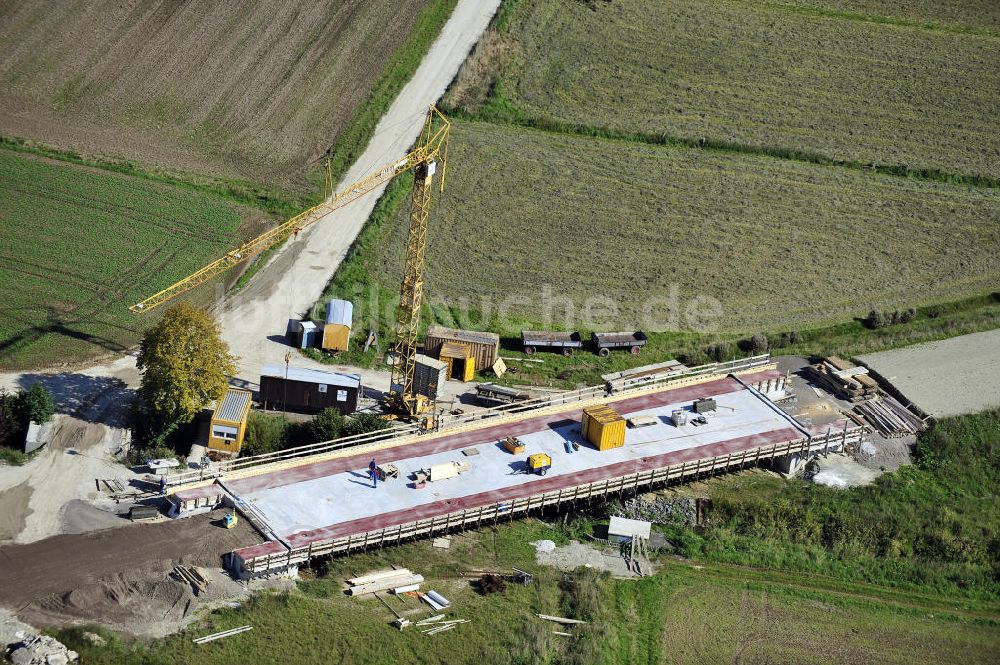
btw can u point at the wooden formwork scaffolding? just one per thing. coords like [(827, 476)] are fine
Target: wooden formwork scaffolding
[(492, 513)]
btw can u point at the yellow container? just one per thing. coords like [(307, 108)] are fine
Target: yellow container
[(229, 422), (460, 361), (603, 427)]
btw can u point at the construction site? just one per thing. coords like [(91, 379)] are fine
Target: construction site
[(452, 439), (464, 476)]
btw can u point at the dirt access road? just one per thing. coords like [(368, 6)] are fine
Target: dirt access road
[(297, 274), (285, 288), (946, 378)]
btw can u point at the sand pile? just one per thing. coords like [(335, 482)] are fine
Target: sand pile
[(121, 598)]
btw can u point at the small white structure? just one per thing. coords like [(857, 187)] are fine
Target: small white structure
[(447, 470), (622, 530), (37, 435)]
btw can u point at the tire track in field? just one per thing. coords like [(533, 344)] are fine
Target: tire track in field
[(115, 290), (144, 218), (69, 279)]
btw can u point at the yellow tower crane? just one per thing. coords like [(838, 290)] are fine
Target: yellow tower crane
[(432, 147)]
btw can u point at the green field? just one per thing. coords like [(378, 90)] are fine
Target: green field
[(682, 615), (958, 15), (760, 77), (81, 245), (780, 244), (251, 91)]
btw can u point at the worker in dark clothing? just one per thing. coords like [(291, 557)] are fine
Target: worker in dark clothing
[(373, 472), (163, 485)]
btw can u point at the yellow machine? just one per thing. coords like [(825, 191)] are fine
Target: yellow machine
[(230, 520), (432, 147), (539, 463)]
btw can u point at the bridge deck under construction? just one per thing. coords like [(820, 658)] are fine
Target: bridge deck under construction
[(330, 506)]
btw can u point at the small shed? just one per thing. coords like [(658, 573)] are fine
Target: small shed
[(622, 530), (307, 334), (485, 346), (309, 390), (337, 330), (428, 376), (229, 422), (459, 359), (603, 427)]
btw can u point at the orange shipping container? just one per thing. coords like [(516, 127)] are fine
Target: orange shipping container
[(603, 427)]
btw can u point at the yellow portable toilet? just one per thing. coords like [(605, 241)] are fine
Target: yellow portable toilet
[(229, 422), (337, 331), (603, 427), (459, 359)]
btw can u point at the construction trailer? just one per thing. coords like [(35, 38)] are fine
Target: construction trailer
[(306, 334), (309, 390), (458, 359), (337, 329), (484, 346), (428, 376), (229, 421), (603, 427)]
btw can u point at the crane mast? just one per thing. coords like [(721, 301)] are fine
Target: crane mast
[(430, 152), (405, 399)]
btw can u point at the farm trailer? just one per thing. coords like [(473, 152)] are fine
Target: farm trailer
[(563, 342), (605, 342)]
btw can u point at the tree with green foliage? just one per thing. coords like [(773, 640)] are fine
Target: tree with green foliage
[(363, 423), (38, 404), (327, 424), (8, 419), (264, 434), (184, 364)]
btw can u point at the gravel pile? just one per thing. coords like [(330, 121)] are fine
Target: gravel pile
[(41, 650), (658, 509)]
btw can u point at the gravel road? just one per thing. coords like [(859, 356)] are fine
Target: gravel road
[(946, 378), (296, 275)]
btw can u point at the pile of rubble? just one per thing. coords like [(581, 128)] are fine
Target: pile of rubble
[(659, 509), (40, 650)]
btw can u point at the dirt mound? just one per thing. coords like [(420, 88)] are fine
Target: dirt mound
[(121, 598), (60, 564), (13, 510), (144, 603)]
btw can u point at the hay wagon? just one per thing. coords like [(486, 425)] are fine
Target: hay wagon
[(605, 342), (563, 342)]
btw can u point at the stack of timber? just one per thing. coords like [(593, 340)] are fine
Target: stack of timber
[(193, 576), (398, 580), (844, 379), (218, 636), (889, 417), (438, 624), (639, 375)]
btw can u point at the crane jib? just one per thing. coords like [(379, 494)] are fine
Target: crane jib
[(430, 147)]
